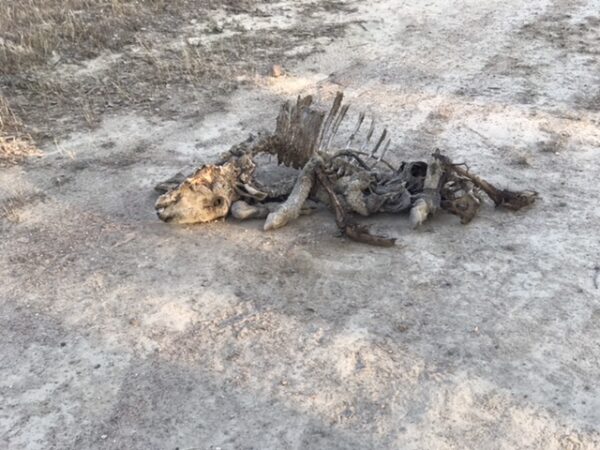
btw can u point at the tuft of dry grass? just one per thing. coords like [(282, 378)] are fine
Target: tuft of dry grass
[(15, 149), (15, 144), (9, 210)]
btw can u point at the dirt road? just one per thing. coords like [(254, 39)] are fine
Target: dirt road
[(118, 331)]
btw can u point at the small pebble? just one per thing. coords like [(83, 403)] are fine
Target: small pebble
[(276, 71)]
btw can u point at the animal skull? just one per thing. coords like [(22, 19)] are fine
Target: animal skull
[(205, 196)]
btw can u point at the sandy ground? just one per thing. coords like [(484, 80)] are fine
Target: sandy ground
[(121, 332)]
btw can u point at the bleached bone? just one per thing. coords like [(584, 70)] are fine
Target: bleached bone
[(359, 122), (290, 209), (336, 125), (429, 201), (368, 137), (378, 144)]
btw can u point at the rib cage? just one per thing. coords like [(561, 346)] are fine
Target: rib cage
[(302, 130)]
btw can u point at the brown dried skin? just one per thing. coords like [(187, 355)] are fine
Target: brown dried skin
[(346, 225), (514, 200), (459, 197), (205, 196)]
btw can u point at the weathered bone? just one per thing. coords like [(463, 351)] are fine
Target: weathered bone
[(368, 136), (298, 132), (379, 142), (291, 208), (385, 149), (359, 122), (514, 200), (461, 198), (324, 135), (241, 210), (429, 201), (203, 197), (345, 224), (340, 117)]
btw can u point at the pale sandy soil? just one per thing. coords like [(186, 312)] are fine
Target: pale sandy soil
[(118, 331)]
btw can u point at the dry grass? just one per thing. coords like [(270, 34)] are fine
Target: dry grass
[(37, 36), (15, 144), (150, 59), (9, 210), (15, 149), (12, 207), (36, 32)]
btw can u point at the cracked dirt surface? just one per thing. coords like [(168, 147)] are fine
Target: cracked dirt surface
[(119, 331)]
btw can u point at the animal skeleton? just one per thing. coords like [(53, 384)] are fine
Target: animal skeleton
[(353, 178)]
